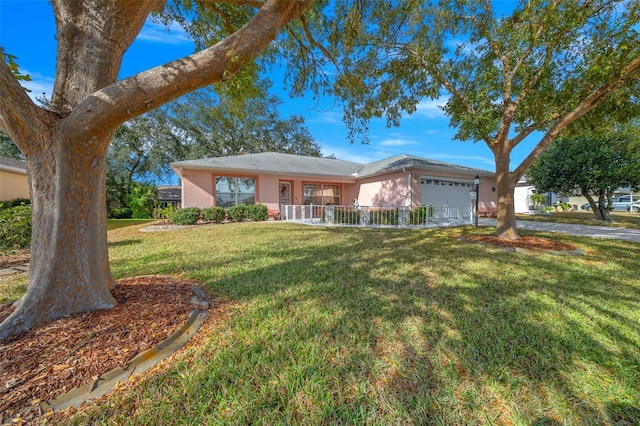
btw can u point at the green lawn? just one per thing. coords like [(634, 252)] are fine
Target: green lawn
[(619, 219), (389, 326), (123, 223)]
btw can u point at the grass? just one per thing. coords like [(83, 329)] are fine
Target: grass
[(619, 219), (122, 223), (388, 326)]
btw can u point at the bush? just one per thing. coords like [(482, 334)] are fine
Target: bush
[(7, 204), (140, 200), (164, 213), (214, 214), (15, 227), (346, 216), (238, 213), (186, 216), (258, 212), (123, 213)]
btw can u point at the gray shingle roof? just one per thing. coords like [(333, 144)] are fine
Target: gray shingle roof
[(12, 165), (399, 162), (169, 193), (277, 163), (273, 162)]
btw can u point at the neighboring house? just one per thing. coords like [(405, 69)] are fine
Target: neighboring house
[(276, 179), (13, 179), (522, 197), (169, 195)]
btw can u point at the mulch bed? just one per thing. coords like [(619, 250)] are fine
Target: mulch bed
[(72, 351), (525, 242), (19, 257)]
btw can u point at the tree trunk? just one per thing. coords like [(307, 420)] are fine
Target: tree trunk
[(506, 221), (66, 145), (69, 264)]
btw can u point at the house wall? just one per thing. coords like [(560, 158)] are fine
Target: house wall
[(13, 185), (522, 198), (197, 188), (385, 190)]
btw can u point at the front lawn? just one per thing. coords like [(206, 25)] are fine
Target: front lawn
[(390, 326), (582, 217), (122, 223)]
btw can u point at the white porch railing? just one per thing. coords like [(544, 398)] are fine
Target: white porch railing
[(371, 216)]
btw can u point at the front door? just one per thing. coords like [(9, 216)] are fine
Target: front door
[(285, 193)]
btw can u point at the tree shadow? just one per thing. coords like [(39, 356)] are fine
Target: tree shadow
[(427, 323)]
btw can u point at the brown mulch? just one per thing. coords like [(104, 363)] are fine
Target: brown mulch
[(72, 351), (19, 257), (525, 242)]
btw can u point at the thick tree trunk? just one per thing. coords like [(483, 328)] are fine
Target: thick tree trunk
[(69, 265), (506, 221), (66, 145)]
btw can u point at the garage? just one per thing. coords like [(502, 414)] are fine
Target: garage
[(445, 191)]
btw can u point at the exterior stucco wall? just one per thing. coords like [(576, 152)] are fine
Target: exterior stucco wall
[(13, 185), (386, 190), (383, 190), (197, 188)]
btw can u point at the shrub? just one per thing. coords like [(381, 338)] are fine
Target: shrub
[(7, 204), (346, 216), (186, 216), (258, 212), (214, 214), (163, 213), (238, 213), (122, 213), (140, 200), (15, 227)]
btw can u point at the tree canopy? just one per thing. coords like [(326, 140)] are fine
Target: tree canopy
[(528, 71), (595, 166), (200, 125)]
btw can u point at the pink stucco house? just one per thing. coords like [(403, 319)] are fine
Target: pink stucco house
[(276, 179)]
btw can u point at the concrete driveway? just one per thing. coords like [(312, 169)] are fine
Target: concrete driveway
[(584, 230)]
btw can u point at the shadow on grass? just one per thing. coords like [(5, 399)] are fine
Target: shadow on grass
[(409, 326)]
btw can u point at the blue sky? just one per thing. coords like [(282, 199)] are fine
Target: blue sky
[(27, 31)]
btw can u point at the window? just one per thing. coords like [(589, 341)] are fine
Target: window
[(235, 190), (321, 194)]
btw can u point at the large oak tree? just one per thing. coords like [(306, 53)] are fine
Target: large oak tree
[(511, 75), (65, 145)]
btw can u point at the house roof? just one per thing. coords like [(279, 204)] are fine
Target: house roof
[(400, 162), (278, 163), (11, 165), (169, 193), (273, 162)]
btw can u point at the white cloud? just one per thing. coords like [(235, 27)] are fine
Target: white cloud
[(326, 117), (39, 85), (154, 32), (348, 155), (431, 108), (398, 141)]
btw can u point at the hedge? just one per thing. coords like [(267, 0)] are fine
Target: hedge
[(214, 214), (15, 227)]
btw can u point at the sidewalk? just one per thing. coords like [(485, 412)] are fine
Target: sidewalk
[(582, 230)]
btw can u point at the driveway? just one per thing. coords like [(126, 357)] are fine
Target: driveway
[(584, 230)]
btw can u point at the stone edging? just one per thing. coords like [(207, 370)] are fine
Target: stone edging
[(139, 364)]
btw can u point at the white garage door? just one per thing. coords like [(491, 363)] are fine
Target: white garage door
[(445, 192)]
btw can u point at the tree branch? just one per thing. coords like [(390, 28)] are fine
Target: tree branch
[(629, 73), (129, 98), (20, 118)]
